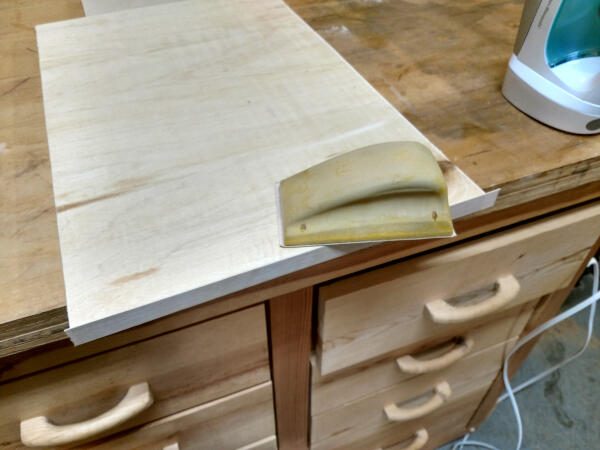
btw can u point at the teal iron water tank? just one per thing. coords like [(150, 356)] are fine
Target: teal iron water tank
[(575, 33)]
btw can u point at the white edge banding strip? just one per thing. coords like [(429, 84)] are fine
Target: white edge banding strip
[(473, 205)]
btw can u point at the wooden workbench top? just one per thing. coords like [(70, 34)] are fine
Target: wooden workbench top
[(439, 62)]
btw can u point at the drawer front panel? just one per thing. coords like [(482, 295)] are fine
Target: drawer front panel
[(387, 309), (181, 369), (470, 374), (442, 426), (244, 420), (333, 392), (446, 426)]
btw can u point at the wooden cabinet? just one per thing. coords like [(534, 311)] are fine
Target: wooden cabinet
[(386, 372)]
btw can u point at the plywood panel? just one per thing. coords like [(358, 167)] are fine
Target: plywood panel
[(165, 160)]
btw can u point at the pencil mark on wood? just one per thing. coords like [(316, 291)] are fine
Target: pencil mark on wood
[(135, 276)]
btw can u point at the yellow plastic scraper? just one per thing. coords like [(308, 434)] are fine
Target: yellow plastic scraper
[(382, 192)]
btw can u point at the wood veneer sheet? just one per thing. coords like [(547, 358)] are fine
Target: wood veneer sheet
[(169, 126)]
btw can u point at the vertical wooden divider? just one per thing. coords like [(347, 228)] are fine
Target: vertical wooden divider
[(290, 318)]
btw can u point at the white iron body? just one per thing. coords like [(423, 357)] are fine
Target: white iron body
[(566, 96)]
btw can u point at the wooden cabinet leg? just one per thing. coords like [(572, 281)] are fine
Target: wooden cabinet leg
[(290, 325)]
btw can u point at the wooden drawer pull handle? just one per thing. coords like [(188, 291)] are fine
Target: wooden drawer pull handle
[(421, 438), (441, 395), (409, 364), (443, 312), (39, 432)]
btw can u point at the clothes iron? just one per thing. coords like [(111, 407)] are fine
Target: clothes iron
[(382, 192), (554, 73)]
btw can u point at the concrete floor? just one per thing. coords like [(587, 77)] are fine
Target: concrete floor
[(561, 412)]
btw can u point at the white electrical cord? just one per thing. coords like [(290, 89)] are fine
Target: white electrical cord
[(590, 333), (510, 391)]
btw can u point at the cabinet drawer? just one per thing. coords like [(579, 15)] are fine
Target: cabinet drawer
[(442, 426), (333, 392), (181, 369), (244, 420), (371, 314), (416, 398)]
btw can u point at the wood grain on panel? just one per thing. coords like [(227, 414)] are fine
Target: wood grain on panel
[(290, 318)]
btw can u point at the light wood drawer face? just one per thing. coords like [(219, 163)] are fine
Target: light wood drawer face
[(333, 392), (244, 420), (387, 309), (437, 389), (182, 369), (442, 426)]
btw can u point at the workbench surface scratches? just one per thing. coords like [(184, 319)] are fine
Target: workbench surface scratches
[(165, 160)]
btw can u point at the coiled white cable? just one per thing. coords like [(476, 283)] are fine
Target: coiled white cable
[(510, 391)]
